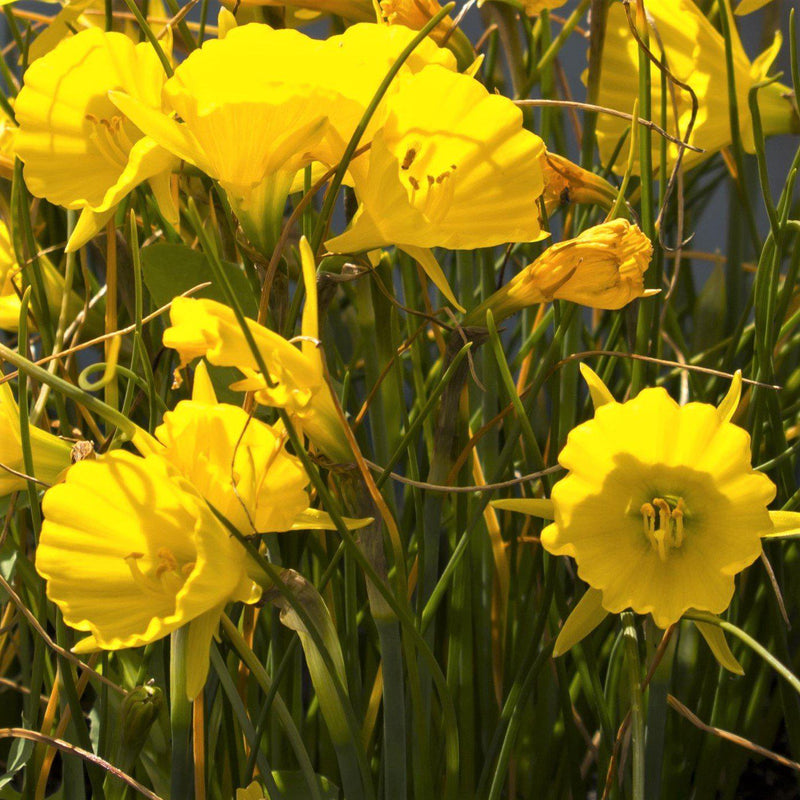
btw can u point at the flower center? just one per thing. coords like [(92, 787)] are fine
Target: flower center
[(430, 194), (166, 576), (111, 139), (662, 521)]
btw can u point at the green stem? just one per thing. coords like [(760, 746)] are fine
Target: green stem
[(284, 715), (180, 717), (637, 709)]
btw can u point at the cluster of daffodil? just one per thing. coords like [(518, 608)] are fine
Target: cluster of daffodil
[(330, 187)]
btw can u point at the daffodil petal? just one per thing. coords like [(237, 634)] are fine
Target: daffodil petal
[(203, 388), (536, 507), (718, 644), (198, 646), (425, 258), (585, 617), (160, 127), (89, 224), (599, 392), (314, 520), (786, 524), (749, 6), (727, 408)]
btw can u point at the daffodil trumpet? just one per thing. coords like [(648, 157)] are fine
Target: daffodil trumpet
[(660, 508)]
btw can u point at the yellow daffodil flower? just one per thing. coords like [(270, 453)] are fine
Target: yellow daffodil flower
[(131, 552), (298, 99), (296, 380), (603, 267), (660, 507), (132, 547), (239, 464), (79, 151), (51, 455), (695, 54), (252, 114), (451, 167)]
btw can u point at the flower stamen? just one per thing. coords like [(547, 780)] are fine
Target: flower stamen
[(662, 523), (168, 576), (111, 139)]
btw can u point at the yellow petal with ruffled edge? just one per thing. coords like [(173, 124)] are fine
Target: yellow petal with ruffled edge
[(585, 617)]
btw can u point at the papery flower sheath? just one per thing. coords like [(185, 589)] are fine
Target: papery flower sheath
[(452, 167), (79, 151), (51, 455), (660, 508), (603, 267), (695, 54), (206, 328)]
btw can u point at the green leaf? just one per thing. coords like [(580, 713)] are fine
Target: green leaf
[(171, 269), (710, 310)]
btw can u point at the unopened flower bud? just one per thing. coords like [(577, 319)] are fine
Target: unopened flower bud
[(140, 709), (603, 267)]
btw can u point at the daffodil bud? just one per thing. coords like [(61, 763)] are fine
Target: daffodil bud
[(601, 268), (140, 709)]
